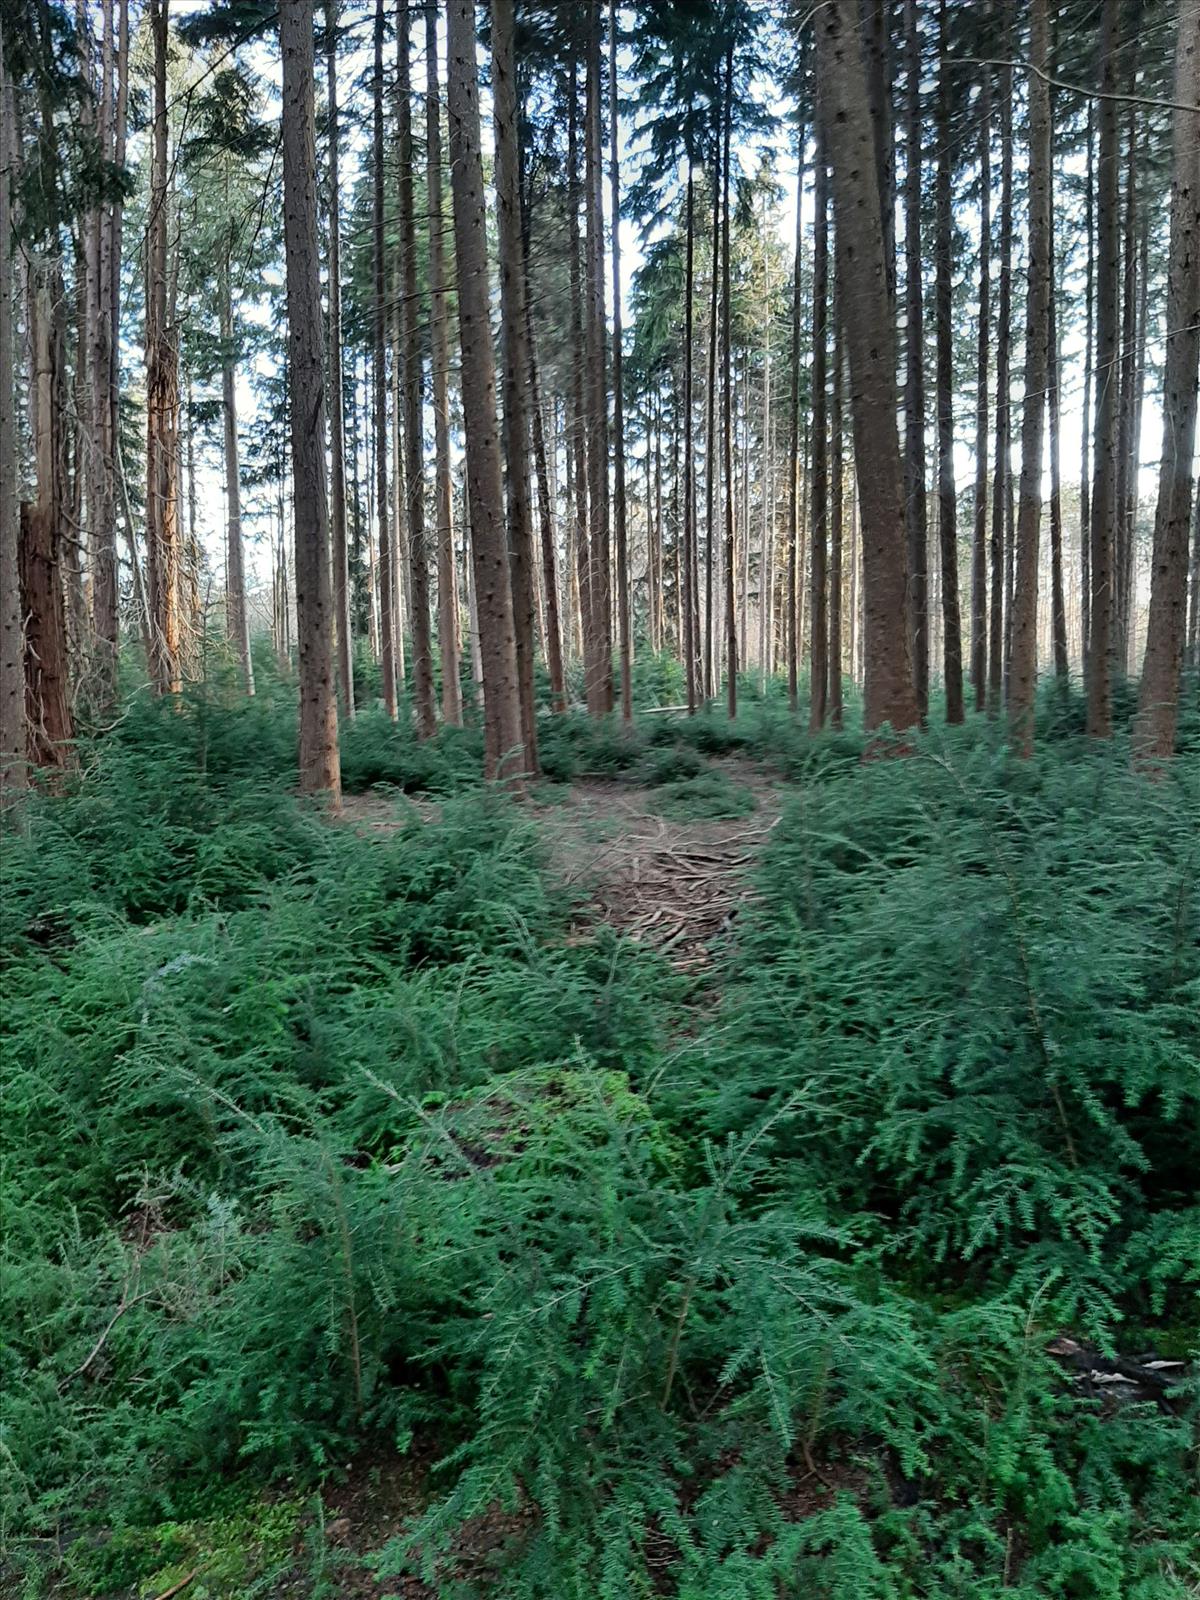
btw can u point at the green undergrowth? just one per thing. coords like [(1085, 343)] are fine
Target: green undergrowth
[(320, 1144)]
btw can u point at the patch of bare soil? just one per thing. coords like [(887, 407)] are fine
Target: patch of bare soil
[(675, 885)]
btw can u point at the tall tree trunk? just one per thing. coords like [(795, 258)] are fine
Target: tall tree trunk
[(620, 513), (836, 514), (337, 432), (1023, 683), (915, 514), (600, 681), (1158, 700), (320, 769), (504, 754), (889, 692), (1104, 453), (13, 771), (818, 528), (979, 539), (1193, 628), (389, 555), (727, 392), (1126, 444), (689, 641), (237, 627), (515, 363), (711, 451), (952, 663), (1058, 598), (162, 393), (104, 498), (997, 619), (1085, 517), (794, 568), (578, 432), (449, 644), (412, 369)]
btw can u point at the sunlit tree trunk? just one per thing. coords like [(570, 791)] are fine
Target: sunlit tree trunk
[(320, 770)]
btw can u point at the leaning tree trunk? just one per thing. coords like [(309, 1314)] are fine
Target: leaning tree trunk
[(504, 754), (1158, 701), (513, 332), (320, 770), (411, 384), (889, 694), (1023, 680), (337, 427), (915, 514), (237, 625), (1104, 453), (819, 485)]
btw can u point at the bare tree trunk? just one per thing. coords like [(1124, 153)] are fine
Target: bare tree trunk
[(514, 329), (1104, 454), (600, 681), (947, 493), (979, 541), (337, 432), (889, 693), (577, 432), (1126, 445), (13, 741), (727, 393), (688, 640), (915, 512), (711, 451), (320, 769), (1158, 701), (794, 566), (504, 753), (620, 512), (819, 665), (103, 529), (162, 393), (998, 619), (237, 625), (1193, 630), (1023, 683), (1085, 517), (1058, 600), (388, 555), (836, 518)]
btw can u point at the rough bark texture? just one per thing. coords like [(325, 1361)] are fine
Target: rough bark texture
[(818, 527), (424, 707), (1023, 680), (504, 756), (1158, 701), (1085, 483), (599, 676), (979, 540), (13, 772), (320, 770), (688, 641), (794, 563), (731, 666), (915, 512), (620, 514), (889, 694), (1003, 467), (514, 337), (952, 663), (1058, 598), (1104, 453), (836, 512), (449, 643), (389, 622), (337, 430), (162, 394), (237, 627)]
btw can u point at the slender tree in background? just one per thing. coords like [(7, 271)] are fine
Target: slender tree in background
[(818, 521), (620, 511), (731, 638), (1085, 485), (162, 393), (504, 755), (12, 635), (1001, 491), (915, 511), (952, 663), (1058, 597), (794, 562), (837, 499), (514, 331), (237, 624), (320, 770), (1104, 452), (449, 646), (1023, 680), (337, 425), (1158, 698), (889, 694), (599, 676)]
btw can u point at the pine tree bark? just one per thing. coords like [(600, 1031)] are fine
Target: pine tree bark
[(103, 540), (889, 692), (711, 448), (343, 621), (320, 770), (600, 678), (412, 384), (836, 514), (979, 539), (504, 755), (1023, 681), (819, 484), (1001, 493), (578, 430), (1104, 452), (13, 751), (1158, 700), (794, 565), (1058, 597), (915, 510), (389, 555), (688, 640), (1126, 405), (514, 329), (731, 667), (620, 509), (162, 393), (1085, 486)]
